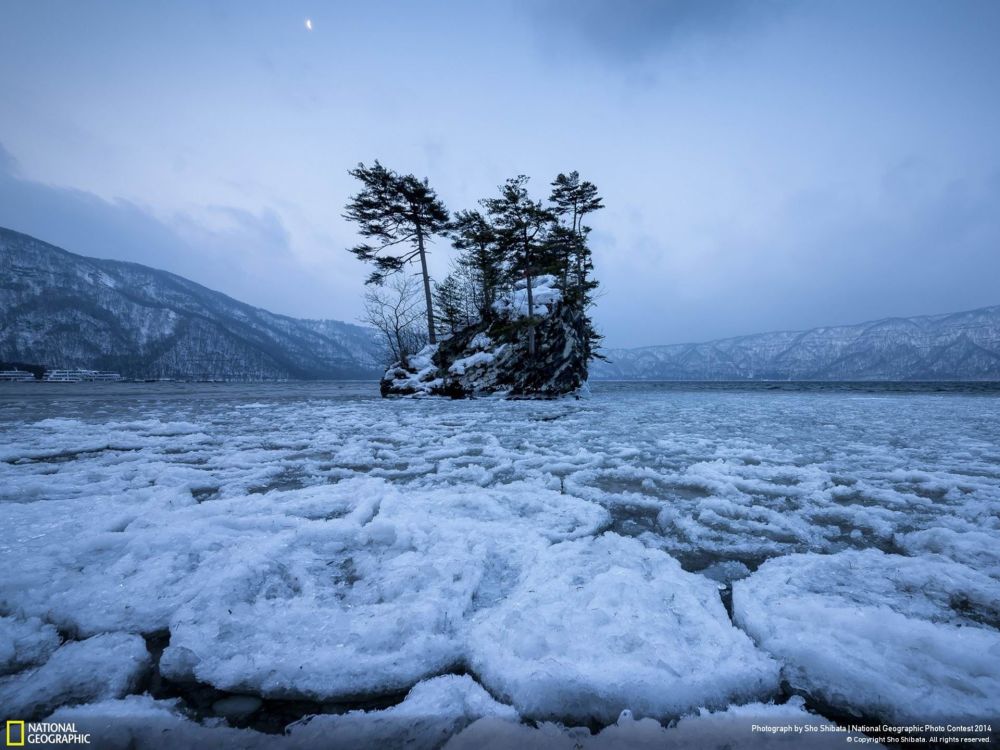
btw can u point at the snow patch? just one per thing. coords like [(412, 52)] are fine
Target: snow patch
[(544, 295)]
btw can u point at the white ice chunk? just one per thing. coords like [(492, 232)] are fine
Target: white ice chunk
[(754, 726), (657, 639), (25, 643), (103, 667), (432, 711), (491, 733), (977, 549), (345, 607), (726, 571), (883, 636), (138, 722)]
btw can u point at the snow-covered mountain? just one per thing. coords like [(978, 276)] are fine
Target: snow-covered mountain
[(957, 346), (65, 310)]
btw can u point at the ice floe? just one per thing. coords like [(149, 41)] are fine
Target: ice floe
[(106, 666), (600, 626), (339, 546), (432, 712), (877, 635), (25, 643), (752, 726), (376, 601)]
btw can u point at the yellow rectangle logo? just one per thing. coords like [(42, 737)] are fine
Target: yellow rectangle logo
[(10, 739)]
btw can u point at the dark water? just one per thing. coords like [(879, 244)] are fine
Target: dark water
[(354, 390), (988, 388)]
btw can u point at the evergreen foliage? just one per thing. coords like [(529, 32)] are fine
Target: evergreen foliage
[(401, 214), (522, 226), (573, 199), (514, 240), (476, 239), (451, 301)]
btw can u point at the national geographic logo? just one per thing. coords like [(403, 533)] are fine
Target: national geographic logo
[(21, 734)]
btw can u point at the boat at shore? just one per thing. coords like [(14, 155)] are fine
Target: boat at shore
[(80, 376), (16, 376)]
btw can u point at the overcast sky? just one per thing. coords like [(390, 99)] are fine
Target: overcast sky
[(765, 165)]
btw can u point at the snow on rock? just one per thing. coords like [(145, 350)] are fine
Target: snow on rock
[(878, 635), (481, 359), (754, 726), (25, 643), (103, 667), (419, 376), (658, 640), (431, 712), (544, 294), (494, 357)]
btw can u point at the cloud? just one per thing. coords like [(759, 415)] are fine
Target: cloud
[(629, 31), (241, 253), (919, 243), (8, 164)]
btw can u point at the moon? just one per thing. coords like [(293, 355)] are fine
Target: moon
[(309, 24)]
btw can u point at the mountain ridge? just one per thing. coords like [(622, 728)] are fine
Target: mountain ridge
[(61, 309), (66, 310), (946, 346)]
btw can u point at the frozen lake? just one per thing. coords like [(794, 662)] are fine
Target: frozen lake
[(658, 548)]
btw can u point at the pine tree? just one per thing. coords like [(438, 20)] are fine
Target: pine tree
[(402, 214), (564, 246), (522, 226), (573, 199), (469, 290), (477, 240), (451, 306)]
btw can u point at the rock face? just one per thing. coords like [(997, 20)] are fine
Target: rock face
[(492, 357), (64, 310)]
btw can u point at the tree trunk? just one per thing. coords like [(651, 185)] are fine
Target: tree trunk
[(531, 317), (528, 258), (401, 348), (576, 236), (581, 274), (431, 338)]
